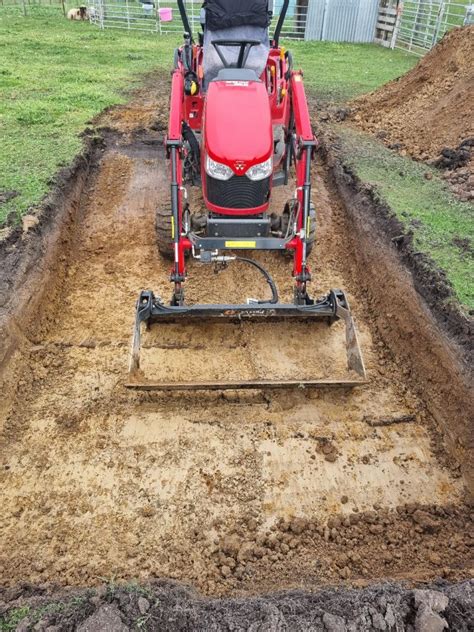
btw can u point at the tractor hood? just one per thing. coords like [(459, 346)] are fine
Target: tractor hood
[(237, 125)]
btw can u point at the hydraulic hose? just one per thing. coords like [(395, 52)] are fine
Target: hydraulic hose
[(267, 276)]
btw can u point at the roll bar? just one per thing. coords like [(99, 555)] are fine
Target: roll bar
[(276, 36), (281, 19), (184, 19)]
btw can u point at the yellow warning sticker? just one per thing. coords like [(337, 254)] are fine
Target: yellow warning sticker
[(172, 227), (240, 244)]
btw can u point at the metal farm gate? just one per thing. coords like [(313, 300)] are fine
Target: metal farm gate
[(330, 20), (417, 25)]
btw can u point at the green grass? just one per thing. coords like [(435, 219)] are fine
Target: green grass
[(426, 207), (75, 605), (339, 72), (10, 620), (55, 75)]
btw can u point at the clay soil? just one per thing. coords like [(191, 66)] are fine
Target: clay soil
[(235, 493)]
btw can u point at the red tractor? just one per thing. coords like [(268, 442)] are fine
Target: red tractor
[(238, 127)]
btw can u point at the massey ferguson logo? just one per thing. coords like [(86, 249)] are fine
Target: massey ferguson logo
[(239, 165), (237, 84)]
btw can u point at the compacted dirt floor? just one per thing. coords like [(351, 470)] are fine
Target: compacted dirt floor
[(235, 492)]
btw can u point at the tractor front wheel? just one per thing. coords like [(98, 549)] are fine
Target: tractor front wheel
[(312, 229), (164, 234)]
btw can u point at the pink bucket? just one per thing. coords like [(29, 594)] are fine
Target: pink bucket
[(166, 14)]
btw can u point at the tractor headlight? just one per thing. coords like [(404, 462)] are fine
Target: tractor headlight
[(261, 171), (217, 170)]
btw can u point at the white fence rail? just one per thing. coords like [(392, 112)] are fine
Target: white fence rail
[(124, 14)]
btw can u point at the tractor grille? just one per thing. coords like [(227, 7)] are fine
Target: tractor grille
[(237, 192)]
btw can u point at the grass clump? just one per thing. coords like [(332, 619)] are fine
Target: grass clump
[(10, 620), (442, 226)]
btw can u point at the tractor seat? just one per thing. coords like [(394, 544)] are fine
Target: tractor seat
[(256, 61)]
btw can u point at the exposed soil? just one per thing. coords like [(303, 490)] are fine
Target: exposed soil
[(236, 493), (164, 605), (427, 113)]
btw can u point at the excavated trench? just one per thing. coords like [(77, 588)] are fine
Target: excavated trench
[(236, 492)]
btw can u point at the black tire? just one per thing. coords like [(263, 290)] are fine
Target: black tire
[(312, 229), (163, 226)]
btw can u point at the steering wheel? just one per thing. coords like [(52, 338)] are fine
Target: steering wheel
[(244, 46)]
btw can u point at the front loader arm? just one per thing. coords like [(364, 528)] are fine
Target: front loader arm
[(305, 144), (174, 145), (304, 131), (176, 105)]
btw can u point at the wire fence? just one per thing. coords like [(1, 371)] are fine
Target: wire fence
[(125, 14)]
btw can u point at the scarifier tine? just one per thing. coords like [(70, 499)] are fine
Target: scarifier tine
[(136, 344), (355, 361), (142, 314)]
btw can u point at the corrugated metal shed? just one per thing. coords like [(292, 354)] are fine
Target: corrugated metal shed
[(341, 20)]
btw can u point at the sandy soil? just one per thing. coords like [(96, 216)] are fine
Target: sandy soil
[(234, 492)]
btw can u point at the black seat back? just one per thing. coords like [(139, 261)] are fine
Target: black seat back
[(224, 14)]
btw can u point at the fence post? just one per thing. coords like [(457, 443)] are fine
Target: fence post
[(64, 8), (158, 21), (101, 14), (24, 8), (439, 18), (396, 27)]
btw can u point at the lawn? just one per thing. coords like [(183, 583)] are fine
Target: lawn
[(55, 75), (339, 72), (442, 226)]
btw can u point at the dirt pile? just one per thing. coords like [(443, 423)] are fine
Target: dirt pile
[(166, 605), (429, 110)]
